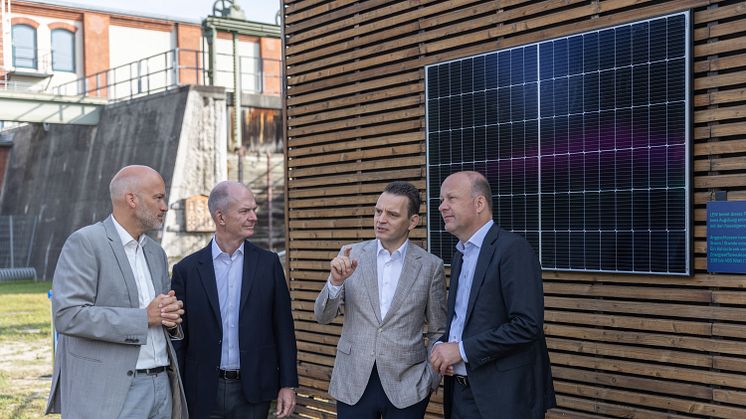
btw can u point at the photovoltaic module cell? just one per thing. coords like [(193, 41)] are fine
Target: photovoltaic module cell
[(583, 139)]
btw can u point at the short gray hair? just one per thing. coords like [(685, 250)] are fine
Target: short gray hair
[(223, 194), (219, 197)]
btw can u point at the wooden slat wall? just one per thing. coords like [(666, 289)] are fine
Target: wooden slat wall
[(621, 345)]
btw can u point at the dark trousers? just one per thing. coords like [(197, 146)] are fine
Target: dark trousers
[(463, 405), (375, 405), (231, 403)]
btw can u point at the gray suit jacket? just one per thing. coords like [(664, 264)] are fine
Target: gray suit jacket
[(96, 311), (395, 343)]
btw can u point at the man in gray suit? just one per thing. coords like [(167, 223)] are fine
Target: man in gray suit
[(115, 314), (390, 289)]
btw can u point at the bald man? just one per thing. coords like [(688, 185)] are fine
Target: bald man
[(115, 314), (238, 352), (493, 353)]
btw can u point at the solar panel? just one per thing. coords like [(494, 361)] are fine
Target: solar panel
[(584, 140)]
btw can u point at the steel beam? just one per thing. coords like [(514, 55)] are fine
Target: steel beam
[(49, 108)]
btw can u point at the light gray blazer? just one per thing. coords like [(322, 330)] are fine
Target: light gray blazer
[(96, 311), (395, 343)]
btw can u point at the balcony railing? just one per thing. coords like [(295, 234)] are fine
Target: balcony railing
[(173, 68)]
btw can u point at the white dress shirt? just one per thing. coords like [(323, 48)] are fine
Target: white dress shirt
[(228, 276), (389, 267), (470, 250), (153, 352)]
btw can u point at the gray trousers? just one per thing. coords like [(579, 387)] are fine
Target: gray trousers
[(149, 397)]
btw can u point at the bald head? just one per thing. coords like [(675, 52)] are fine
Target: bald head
[(465, 203), (138, 199), (130, 179), (479, 186)]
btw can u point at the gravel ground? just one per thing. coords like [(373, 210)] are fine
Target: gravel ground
[(25, 377)]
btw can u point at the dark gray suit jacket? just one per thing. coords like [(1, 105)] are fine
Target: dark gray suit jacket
[(503, 336)]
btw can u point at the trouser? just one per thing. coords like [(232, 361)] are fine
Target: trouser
[(375, 405), (149, 397)]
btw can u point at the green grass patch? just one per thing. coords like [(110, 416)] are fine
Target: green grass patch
[(25, 310), (25, 343)]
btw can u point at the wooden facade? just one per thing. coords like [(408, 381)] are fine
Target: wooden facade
[(620, 345)]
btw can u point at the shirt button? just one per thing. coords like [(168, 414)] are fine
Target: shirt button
[(380, 329)]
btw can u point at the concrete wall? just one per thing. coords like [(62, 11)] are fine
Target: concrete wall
[(4, 157), (62, 172), (199, 164)]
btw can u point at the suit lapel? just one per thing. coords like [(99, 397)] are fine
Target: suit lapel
[(250, 261), (124, 265), (206, 271), (409, 273), (485, 256), (154, 266), (453, 285), (368, 263)]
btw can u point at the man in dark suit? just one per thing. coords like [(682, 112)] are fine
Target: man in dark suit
[(494, 353), (238, 351)]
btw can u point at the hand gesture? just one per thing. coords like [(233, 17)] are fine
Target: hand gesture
[(444, 356), (342, 267), (165, 309)]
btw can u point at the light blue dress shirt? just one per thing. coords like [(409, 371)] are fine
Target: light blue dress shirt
[(470, 251), (228, 276)]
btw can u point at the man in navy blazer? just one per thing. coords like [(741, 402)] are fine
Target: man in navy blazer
[(238, 352), (494, 353)]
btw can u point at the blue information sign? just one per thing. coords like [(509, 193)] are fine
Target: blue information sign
[(726, 236)]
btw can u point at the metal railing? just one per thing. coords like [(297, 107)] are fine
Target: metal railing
[(41, 60), (17, 234), (173, 68)]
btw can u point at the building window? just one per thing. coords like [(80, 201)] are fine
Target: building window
[(63, 50), (24, 46)]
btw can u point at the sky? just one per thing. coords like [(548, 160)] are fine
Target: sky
[(256, 10)]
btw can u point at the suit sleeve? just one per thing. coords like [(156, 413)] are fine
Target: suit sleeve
[(326, 308), (178, 284), (521, 288), (436, 306), (74, 290), (283, 324), (172, 333)]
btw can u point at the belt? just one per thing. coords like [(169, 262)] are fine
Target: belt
[(462, 379), (151, 371), (229, 374)]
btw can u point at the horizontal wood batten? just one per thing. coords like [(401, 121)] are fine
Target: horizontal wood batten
[(621, 345)]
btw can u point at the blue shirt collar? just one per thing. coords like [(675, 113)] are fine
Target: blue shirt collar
[(477, 238), (216, 251)]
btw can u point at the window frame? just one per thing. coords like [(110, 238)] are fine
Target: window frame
[(35, 58), (72, 50)]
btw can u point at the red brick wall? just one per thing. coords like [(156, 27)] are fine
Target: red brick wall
[(188, 38), (271, 53), (95, 49)]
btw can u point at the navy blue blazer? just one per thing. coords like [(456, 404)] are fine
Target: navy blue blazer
[(503, 336), (266, 336)]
